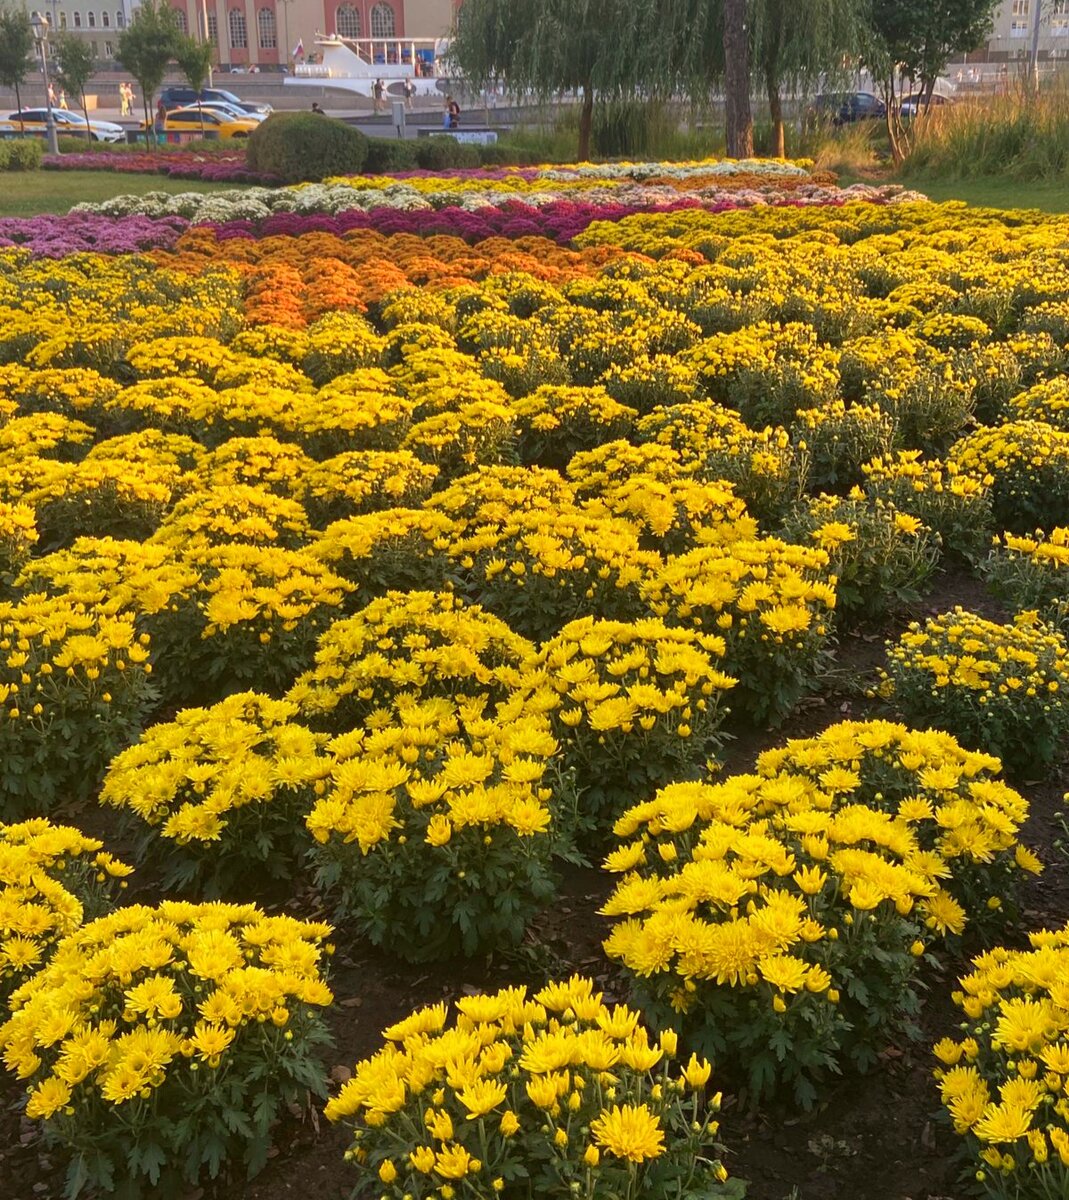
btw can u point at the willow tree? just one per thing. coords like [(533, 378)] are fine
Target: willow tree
[(798, 45), (598, 49)]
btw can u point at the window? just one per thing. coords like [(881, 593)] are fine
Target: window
[(266, 30), (1020, 8), (1059, 25), (1018, 29), (183, 24), (239, 31), (120, 20), (63, 20), (347, 22), (91, 20), (105, 19), (383, 24), (109, 50), (213, 29), (77, 20)]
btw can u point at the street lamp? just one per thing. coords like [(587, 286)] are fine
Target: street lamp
[(40, 33)]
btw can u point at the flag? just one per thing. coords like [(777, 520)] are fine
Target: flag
[(298, 50)]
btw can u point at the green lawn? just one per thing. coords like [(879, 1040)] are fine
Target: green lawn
[(1048, 195), (26, 193)]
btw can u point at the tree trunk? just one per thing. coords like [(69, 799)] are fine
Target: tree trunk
[(775, 110), (88, 127), (586, 122), (18, 108), (737, 80), (150, 125)]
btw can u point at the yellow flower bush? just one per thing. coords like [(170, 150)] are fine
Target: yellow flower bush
[(1002, 1079), (227, 788), (637, 704), (362, 481), (408, 643), (458, 440), (143, 1039), (1047, 402), (955, 506), (779, 916), (553, 1094), (772, 603), (18, 535), (1003, 689), (1026, 465), (839, 439), (397, 549), (554, 423), (436, 832), (234, 514), (51, 878), (881, 558), (1033, 573), (74, 689)]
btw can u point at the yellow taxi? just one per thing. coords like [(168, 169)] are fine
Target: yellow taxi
[(211, 121)]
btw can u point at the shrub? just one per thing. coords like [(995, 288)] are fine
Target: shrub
[(417, 644), (778, 918), (1002, 1077), (1026, 465), (998, 688), (771, 602), (555, 423), (1032, 573), (52, 877), (440, 152), (24, 154), (74, 690), (187, 1031), (435, 835), (955, 506), (386, 155), (881, 558), (298, 146), (18, 533), (637, 705), (531, 1115), (226, 788), (838, 440)]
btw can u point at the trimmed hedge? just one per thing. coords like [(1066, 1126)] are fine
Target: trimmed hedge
[(385, 155), (22, 155), (299, 147), (444, 154)]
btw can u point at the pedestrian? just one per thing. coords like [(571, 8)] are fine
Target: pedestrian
[(161, 116), (317, 109), (452, 109), (410, 91), (378, 91), (63, 99), (52, 95)]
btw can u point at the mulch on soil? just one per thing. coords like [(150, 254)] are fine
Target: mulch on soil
[(877, 1137)]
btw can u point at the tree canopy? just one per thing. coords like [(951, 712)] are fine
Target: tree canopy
[(73, 58), (16, 49), (147, 45)]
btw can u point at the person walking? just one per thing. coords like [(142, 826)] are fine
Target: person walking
[(52, 95), (452, 111), (63, 100), (410, 91), (378, 92)]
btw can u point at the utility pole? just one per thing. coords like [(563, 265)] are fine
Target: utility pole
[(40, 31)]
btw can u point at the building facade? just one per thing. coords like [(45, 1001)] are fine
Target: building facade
[(261, 33), (1014, 28)]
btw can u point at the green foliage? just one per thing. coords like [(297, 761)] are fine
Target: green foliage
[(444, 154), (385, 155), (16, 48), (21, 155), (300, 147), (147, 45), (194, 60)]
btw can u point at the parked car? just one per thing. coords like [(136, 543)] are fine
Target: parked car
[(182, 97), (845, 108), (224, 106), (218, 124), (68, 124), (911, 105)]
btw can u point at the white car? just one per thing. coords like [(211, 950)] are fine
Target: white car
[(228, 110), (68, 124)]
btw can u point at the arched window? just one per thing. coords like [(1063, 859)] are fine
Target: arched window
[(105, 19), (213, 29), (347, 22), (383, 22), (266, 29), (77, 20), (63, 20), (120, 19), (91, 19), (183, 24), (239, 31)]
